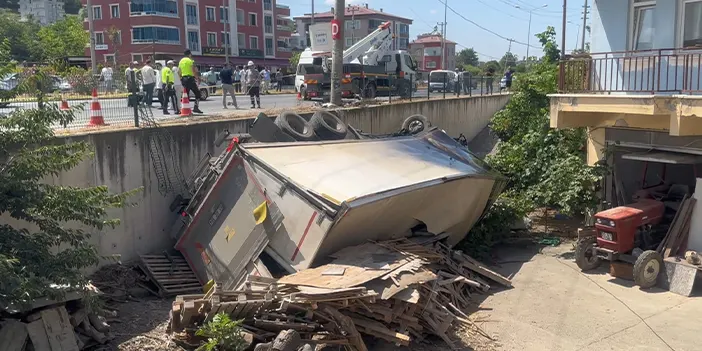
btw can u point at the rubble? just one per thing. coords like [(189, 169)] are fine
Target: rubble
[(400, 291)]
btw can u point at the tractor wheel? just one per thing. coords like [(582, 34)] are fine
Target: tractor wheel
[(647, 267), (585, 258)]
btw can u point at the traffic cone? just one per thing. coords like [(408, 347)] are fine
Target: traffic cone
[(96, 118), (185, 109), (64, 104)]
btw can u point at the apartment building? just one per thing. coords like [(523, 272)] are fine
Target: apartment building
[(163, 29), (359, 21), (426, 50), (44, 11)]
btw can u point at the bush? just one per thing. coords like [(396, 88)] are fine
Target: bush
[(81, 80), (223, 334)]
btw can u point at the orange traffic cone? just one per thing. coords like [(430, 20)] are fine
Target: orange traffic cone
[(185, 109), (96, 118), (64, 104)]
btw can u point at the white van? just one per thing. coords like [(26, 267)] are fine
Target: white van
[(442, 80), (306, 66)]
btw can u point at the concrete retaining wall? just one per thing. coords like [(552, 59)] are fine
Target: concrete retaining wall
[(122, 162)]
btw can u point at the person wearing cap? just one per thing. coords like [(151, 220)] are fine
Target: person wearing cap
[(168, 87), (189, 76), (131, 79), (253, 82)]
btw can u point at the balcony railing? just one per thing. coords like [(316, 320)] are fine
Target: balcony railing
[(666, 71)]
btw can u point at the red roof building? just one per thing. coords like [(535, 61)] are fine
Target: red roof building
[(426, 49)]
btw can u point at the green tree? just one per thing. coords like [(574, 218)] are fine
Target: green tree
[(66, 37), (50, 242), (508, 60), (21, 36), (548, 42), (467, 57), (294, 60), (491, 64)]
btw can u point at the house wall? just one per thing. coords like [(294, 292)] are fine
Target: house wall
[(122, 162)]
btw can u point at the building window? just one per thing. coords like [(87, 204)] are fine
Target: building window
[(162, 35), (193, 41), (99, 38), (349, 42), (191, 14), (404, 28), (270, 49), (268, 24), (154, 7), (352, 25), (374, 24), (253, 42), (404, 43), (267, 5), (97, 12), (224, 14), (642, 24), (225, 39), (691, 26), (110, 58), (211, 39), (431, 64), (253, 19), (137, 57), (240, 17), (241, 39), (114, 11), (252, 0), (210, 14), (436, 51)]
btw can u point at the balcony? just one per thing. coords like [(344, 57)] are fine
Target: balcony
[(652, 90)]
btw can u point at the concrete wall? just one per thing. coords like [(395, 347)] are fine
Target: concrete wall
[(122, 162)]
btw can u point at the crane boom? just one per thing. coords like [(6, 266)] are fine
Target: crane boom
[(378, 38)]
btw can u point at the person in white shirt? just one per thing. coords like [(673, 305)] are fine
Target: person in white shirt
[(106, 77), (178, 85), (148, 76), (159, 84)]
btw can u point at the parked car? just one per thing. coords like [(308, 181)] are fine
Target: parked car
[(442, 80)]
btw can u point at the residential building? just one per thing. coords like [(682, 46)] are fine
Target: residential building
[(638, 94), (426, 50), (44, 11), (359, 21), (163, 29)]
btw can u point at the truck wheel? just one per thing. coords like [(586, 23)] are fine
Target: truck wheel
[(370, 91), (297, 127), (647, 267), (585, 258), (404, 90), (328, 126), (303, 92), (416, 124)]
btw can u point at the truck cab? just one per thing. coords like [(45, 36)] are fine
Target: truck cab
[(306, 65)]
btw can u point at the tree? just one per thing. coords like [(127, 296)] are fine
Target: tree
[(45, 251), (66, 37), (467, 57), (114, 36), (21, 35), (294, 60), (548, 42), (491, 64), (508, 60)]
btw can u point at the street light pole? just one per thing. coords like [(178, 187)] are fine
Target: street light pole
[(91, 29), (443, 37), (529, 30)]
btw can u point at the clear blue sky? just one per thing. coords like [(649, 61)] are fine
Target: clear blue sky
[(500, 16)]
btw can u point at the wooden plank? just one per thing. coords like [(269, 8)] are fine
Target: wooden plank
[(481, 269), (13, 336), (682, 221), (661, 246), (37, 334), (682, 235), (59, 330), (187, 312)]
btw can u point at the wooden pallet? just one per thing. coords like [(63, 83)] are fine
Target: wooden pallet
[(170, 273)]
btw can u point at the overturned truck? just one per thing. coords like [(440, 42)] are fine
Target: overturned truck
[(276, 208)]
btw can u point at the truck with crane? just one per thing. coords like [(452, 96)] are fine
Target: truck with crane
[(370, 68)]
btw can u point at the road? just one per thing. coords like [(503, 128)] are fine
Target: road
[(116, 112)]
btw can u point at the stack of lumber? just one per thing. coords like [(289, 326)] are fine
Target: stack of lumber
[(398, 291), (55, 325), (675, 240)]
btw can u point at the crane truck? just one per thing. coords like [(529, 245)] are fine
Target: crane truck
[(370, 68)]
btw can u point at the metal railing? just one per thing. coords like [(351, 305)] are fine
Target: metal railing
[(666, 71)]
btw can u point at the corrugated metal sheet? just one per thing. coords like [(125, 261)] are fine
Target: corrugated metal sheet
[(345, 170)]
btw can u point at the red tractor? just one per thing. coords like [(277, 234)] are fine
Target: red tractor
[(627, 233)]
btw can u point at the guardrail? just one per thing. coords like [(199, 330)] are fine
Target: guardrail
[(651, 71)]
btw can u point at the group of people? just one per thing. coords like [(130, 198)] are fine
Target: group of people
[(466, 79), (170, 82)]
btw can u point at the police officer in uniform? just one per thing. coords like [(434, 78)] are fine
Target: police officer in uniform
[(189, 76)]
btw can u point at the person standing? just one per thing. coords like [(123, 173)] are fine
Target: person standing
[(266, 80), (467, 82), (279, 79), (274, 80), (168, 88), (148, 77), (106, 77), (253, 83), (132, 87), (237, 79), (178, 85), (488, 80), (508, 78), (189, 76), (227, 77), (159, 84)]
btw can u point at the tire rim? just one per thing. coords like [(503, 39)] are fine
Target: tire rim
[(651, 270), (415, 126)]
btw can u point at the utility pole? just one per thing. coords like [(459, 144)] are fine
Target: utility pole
[(226, 33), (509, 49), (443, 37), (442, 42), (582, 42), (312, 19), (91, 29), (338, 53)]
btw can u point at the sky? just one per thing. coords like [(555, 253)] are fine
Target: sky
[(507, 18)]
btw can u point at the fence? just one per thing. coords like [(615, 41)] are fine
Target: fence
[(651, 71)]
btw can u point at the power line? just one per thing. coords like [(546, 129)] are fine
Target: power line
[(486, 29), (498, 10)]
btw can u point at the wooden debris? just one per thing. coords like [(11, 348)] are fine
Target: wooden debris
[(170, 273), (13, 336), (679, 229)]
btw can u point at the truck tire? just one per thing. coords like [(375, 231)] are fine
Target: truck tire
[(370, 91), (294, 125), (584, 257), (404, 89), (328, 126), (303, 92), (647, 267), (416, 124)]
